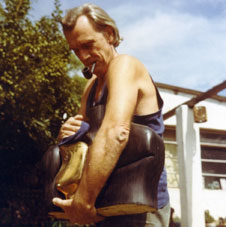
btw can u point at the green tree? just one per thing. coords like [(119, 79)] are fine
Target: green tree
[(35, 86), (35, 91)]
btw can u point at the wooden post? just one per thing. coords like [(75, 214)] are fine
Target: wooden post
[(188, 139)]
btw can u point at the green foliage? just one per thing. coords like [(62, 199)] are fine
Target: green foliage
[(208, 217), (35, 91), (35, 87)]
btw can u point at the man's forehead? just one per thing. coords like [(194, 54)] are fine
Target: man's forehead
[(83, 23), (82, 32)]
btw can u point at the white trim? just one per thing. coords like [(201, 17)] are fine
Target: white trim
[(214, 160), (213, 145), (213, 175)]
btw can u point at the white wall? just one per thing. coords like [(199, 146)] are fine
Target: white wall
[(216, 110), (174, 194), (214, 201)]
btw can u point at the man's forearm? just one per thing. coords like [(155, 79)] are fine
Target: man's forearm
[(102, 158)]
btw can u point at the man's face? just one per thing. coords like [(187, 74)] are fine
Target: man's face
[(90, 45)]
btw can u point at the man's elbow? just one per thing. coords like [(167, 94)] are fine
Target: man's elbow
[(123, 134), (120, 134)]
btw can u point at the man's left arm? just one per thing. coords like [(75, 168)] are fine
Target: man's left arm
[(110, 139)]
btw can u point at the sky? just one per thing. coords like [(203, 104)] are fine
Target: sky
[(180, 42)]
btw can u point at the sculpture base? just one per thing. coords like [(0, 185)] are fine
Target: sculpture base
[(115, 210)]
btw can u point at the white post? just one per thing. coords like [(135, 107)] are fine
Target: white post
[(188, 139)]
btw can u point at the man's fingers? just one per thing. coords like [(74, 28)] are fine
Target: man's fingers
[(72, 122), (61, 202), (79, 215), (71, 126), (70, 130), (79, 117)]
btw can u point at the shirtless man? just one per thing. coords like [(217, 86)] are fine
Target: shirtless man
[(93, 36)]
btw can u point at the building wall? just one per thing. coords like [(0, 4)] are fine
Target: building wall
[(213, 138), (215, 202), (216, 110), (214, 199)]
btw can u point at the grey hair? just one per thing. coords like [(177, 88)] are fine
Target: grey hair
[(96, 15)]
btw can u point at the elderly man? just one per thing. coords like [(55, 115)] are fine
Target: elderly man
[(131, 96)]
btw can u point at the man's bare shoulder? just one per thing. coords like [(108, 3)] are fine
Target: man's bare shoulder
[(128, 59), (127, 66)]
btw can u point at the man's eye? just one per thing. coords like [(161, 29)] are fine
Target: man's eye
[(87, 46)]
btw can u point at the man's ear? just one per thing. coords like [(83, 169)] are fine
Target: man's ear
[(109, 34)]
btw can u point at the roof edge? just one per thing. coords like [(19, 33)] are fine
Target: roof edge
[(177, 89)]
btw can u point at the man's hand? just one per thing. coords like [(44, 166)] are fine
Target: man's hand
[(71, 126), (78, 212)]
